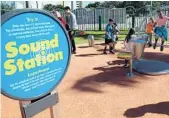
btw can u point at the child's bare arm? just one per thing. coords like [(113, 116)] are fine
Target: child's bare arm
[(155, 23), (167, 17)]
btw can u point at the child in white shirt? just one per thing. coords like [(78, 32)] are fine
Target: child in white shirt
[(128, 44)]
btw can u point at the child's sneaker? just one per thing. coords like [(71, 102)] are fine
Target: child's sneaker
[(104, 52), (112, 52), (150, 44), (161, 48), (154, 46), (126, 66)]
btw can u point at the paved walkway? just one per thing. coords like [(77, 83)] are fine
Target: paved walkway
[(96, 87)]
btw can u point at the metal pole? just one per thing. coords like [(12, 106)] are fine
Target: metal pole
[(133, 15), (151, 6), (72, 6), (27, 4), (131, 67), (37, 4), (21, 109), (100, 23), (151, 3), (63, 3), (94, 20), (133, 20)]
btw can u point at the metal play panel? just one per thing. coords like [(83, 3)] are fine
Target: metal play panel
[(151, 67)]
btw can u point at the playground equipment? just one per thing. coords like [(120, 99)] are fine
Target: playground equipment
[(138, 46), (91, 40), (144, 66), (137, 49), (127, 56), (151, 67)]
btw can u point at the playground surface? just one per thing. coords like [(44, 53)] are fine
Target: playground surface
[(95, 86)]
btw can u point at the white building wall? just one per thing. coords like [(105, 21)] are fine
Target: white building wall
[(41, 4), (67, 3), (20, 4), (36, 4)]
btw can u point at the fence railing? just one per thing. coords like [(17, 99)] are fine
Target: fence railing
[(96, 19), (88, 19)]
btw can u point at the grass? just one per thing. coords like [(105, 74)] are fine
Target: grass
[(98, 35)]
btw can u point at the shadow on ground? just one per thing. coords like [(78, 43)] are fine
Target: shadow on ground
[(116, 62), (159, 108), (87, 55), (116, 50), (108, 75), (165, 45), (146, 55), (114, 74), (100, 50), (101, 44), (156, 56), (83, 47)]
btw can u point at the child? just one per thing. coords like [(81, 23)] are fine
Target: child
[(117, 32), (161, 30), (128, 45), (58, 15), (109, 36), (114, 38), (149, 30)]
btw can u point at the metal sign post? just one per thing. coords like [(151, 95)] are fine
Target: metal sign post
[(31, 108)]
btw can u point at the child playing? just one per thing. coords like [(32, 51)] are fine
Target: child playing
[(149, 30), (115, 32), (128, 44), (160, 29), (109, 37)]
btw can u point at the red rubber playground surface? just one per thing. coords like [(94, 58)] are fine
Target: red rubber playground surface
[(96, 87)]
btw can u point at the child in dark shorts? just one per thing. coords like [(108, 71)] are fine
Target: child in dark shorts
[(115, 37), (109, 37)]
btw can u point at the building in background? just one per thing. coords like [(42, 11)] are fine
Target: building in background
[(22, 4), (40, 4), (36, 4), (10, 3), (79, 4), (73, 4), (15, 4)]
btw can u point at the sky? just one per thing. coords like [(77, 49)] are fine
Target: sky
[(67, 3), (85, 3)]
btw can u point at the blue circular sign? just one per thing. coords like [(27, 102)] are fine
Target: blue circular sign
[(35, 54)]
